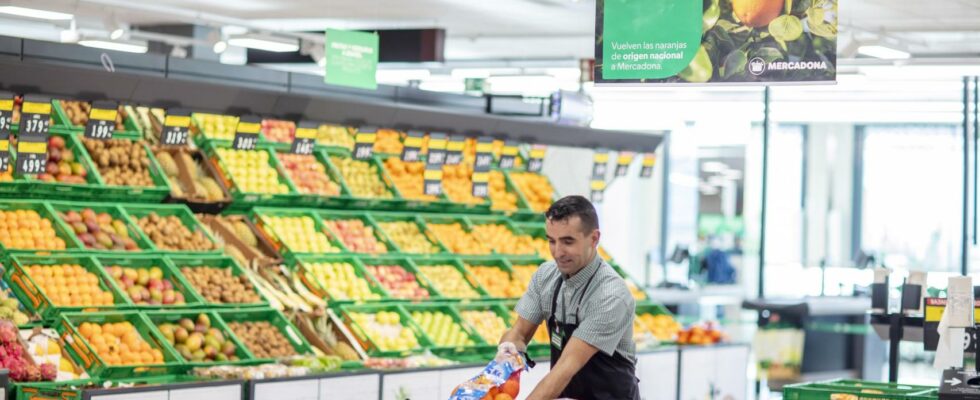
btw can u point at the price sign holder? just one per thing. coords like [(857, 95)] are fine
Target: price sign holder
[(454, 149), (247, 133), (536, 160), (434, 163), (508, 155), (412, 147), (623, 163), (305, 140), (364, 142), (176, 126), (597, 190), (32, 141), (6, 119), (481, 167), (649, 160), (101, 120), (597, 186)]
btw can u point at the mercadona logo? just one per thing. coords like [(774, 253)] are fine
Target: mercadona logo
[(758, 66)]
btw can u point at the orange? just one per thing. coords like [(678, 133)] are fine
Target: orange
[(503, 396), (757, 13), (511, 387)]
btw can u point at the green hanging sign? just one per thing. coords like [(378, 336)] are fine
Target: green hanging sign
[(351, 59)]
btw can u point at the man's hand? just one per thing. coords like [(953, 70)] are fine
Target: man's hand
[(506, 350), (576, 354)]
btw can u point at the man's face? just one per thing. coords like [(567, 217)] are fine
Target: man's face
[(572, 247)]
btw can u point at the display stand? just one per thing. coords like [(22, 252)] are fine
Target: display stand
[(906, 324)]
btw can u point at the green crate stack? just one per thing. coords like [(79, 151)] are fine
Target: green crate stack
[(303, 268), (380, 218), (860, 390), (327, 216), (394, 202), (475, 344), (242, 200), (179, 262), (146, 262), (312, 199), (201, 135), (92, 188), (60, 120), (263, 219), (137, 212), (299, 344), (44, 210), (35, 300), (61, 208), (238, 351)]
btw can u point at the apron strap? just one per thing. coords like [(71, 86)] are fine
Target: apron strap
[(554, 297)]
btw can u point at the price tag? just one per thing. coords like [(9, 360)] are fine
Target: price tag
[(481, 167), (364, 142), (434, 162), (536, 160), (32, 154), (508, 156), (600, 159), (35, 116), (649, 160), (306, 134), (6, 117), (101, 120), (175, 127), (454, 149), (247, 134), (32, 141), (623, 163), (412, 146), (598, 188), (481, 184)]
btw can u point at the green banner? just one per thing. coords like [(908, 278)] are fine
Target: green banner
[(351, 59), (715, 41)]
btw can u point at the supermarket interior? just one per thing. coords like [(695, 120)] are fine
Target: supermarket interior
[(337, 199)]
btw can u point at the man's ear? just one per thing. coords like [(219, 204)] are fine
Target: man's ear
[(595, 237)]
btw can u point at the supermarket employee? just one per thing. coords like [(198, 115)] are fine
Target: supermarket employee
[(588, 309)]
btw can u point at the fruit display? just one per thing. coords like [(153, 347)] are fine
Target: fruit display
[(69, 285), (408, 178), (284, 291), (250, 171), (663, 327), (522, 275), (219, 285), (490, 326), (458, 241), (14, 357), (425, 360), (503, 240), (119, 343), (441, 328), (497, 282), (388, 141), (187, 177), (340, 281), (335, 135), (77, 112), (457, 183), (278, 131), (26, 229), (408, 237), (635, 291), (702, 334), (328, 334), (63, 165), (399, 283), (308, 174), (43, 346), (240, 240), (8, 175), (262, 339), (170, 233), (214, 126), (149, 121), (356, 236), (146, 285), (264, 371), (385, 330), (361, 178), (197, 341), (542, 248), (536, 188), (121, 162), (500, 198), (10, 309), (300, 235), (99, 230), (449, 281)]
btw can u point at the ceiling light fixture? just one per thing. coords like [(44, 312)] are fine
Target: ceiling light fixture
[(35, 13), (265, 43), (883, 52), (128, 46)]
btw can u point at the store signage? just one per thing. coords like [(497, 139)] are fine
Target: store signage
[(247, 133), (6, 119), (717, 41), (933, 312), (454, 149), (649, 160), (481, 167), (305, 140), (623, 163), (434, 162), (364, 142), (508, 155), (32, 140), (351, 58), (597, 186), (412, 147), (101, 120), (175, 127), (536, 160)]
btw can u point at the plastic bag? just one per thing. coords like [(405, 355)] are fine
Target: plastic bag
[(499, 380)]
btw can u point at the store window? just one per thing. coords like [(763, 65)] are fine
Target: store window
[(784, 214)]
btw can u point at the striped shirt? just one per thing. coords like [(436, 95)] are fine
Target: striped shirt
[(606, 313)]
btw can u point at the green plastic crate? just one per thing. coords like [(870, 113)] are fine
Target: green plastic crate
[(276, 318), (151, 194), (440, 203), (477, 341), (64, 390), (931, 394), (136, 212), (113, 210), (85, 355), (395, 202), (261, 217), (179, 262), (242, 200), (160, 317), (527, 213), (180, 285), (92, 189), (406, 264), (45, 211), (471, 263), (855, 390), (311, 199), (497, 307), (37, 301), (447, 219), (331, 215), (480, 220), (302, 268), (421, 264), (201, 136), (60, 119), (368, 342), (537, 348), (378, 218)]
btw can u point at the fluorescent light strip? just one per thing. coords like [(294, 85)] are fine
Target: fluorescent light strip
[(35, 13), (118, 46), (261, 44), (883, 52)]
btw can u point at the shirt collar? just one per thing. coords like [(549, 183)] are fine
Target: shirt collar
[(583, 275)]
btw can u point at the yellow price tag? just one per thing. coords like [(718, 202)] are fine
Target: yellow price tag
[(306, 133), (32, 147), (480, 177), (4, 145), (366, 137), (249, 127), (181, 121), (433, 175), (36, 108), (413, 141), (600, 158), (598, 185), (103, 115), (6, 105)]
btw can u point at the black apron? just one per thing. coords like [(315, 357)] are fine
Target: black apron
[(603, 377)]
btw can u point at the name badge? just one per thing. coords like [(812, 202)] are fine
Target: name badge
[(557, 337)]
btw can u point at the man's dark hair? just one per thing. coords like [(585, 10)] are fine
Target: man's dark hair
[(570, 206)]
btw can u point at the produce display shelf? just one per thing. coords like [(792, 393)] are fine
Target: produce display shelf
[(478, 344), (853, 389), (311, 199), (46, 213), (395, 202), (150, 194), (315, 285), (408, 266), (157, 318), (34, 298), (145, 262), (368, 343), (385, 217), (327, 216), (179, 262), (242, 200), (468, 279), (113, 210), (276, 319), (262, 217), (181, 212)]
